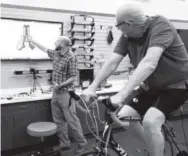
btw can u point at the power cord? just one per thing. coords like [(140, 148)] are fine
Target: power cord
[(93, 122)]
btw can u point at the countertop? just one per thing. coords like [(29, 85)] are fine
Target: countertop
[(116, 85)]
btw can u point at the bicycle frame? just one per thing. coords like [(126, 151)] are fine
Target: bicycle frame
[(107, 137)]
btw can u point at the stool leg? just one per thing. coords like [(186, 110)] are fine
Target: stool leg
[(42, 145)]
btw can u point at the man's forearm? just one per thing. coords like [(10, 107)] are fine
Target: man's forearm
[(41, 47), (103, 74), (142, 72), (67, 82)]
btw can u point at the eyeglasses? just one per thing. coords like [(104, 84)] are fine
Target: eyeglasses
[(117, 25), (128, 23)]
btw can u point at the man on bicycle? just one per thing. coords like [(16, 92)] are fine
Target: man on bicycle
[(161, 61)]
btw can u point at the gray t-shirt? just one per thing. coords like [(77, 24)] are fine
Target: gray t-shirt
[(173, 64)]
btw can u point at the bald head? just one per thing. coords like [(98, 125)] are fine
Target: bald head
[(130, 12), (65, 40)]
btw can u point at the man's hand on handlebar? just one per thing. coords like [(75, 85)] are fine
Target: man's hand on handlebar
[(88, 94)]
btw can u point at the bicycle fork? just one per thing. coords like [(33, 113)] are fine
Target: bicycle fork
[(109, 140)]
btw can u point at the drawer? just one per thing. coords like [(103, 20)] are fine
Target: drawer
[(19, 107)]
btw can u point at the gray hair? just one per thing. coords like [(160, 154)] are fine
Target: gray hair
[(132, 13)]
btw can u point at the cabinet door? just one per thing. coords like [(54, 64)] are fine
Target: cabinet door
[(6, 129), (20, 136), (6, 135), (44, 110), (23, 114)]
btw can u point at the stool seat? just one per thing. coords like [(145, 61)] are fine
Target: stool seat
[(41, 129)]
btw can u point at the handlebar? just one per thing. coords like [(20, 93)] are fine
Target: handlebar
[(104, 99), (123, 121)]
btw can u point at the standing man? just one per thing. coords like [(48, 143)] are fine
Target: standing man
[(64, 76), (161, 62)]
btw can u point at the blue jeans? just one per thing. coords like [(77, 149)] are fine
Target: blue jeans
[(64, 116)]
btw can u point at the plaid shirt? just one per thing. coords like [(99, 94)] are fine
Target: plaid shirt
[(64, 66)]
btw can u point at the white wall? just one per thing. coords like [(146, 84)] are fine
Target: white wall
[(101, 51), (173, 9)]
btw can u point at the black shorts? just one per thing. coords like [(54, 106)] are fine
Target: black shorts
[(167, 100)]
